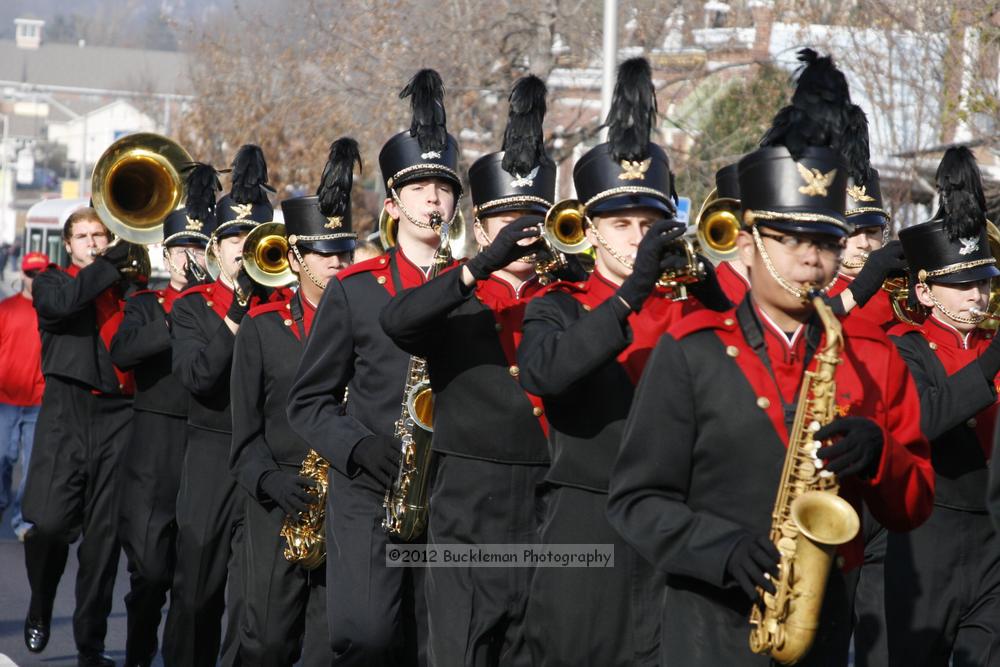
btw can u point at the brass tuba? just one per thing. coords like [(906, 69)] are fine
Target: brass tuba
[(809, 519), (265, 255), (137, 183)]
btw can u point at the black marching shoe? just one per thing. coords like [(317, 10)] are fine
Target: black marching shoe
[(36, 634), (96, 659)]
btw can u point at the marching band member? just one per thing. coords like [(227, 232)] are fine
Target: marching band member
[(694, 484), (285, 604), (83, 426), (348, 392), (204, 322), (584, 347), (489, 435), (149, 476), (942, 580)]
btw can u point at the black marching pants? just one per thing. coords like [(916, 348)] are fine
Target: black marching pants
[(870, 644), (209, 533), (476, 614), (942, 592), (592, 616), (284, 605), (377, 614), (71, 490), (149, 478)]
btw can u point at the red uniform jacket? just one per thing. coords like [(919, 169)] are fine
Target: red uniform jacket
[(21, 381)]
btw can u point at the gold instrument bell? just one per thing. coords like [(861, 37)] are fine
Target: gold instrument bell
[(136, 183), (387, 232), (716, 228), (265, 255)]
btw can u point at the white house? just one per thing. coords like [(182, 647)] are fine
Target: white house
[(102, 126)]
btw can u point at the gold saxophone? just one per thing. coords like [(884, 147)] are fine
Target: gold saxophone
[(809, 519), (305, 534), (405, 502)]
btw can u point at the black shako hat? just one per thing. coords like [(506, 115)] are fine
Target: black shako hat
[(248, 203), (864, 195), (322, 222), (425, 150), (628, 171), (797, 180), (954, 246), (521, 176), (193, 223)]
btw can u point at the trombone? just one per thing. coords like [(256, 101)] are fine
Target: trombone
[(136, 183)]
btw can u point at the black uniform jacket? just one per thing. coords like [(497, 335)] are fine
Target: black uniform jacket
[(68, 320), (203, 353), (347, 349), (958, 406), (583, 352), (469, 335), (142, 345), (268, 347)]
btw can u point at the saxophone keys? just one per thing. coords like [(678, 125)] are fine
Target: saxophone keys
[(814, 426)]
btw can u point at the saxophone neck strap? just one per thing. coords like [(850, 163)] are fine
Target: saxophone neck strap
[(753, 333), (295, 306)]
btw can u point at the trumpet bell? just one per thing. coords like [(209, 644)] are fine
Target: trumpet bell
[(716, 229), (265, 256), (137, 182), (564, 227)]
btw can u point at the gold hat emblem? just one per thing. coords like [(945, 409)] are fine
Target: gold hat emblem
[(858, 193), (242, 211), (634, 169), (334, 222), (816, 181), (193, 225)]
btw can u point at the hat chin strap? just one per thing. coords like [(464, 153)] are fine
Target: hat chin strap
[(797, 292), (412, 218), (622, 259), (173, 267), (947, 312), (305, 269)]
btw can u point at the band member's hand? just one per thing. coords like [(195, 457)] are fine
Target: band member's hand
[(989, 359), (245, 287), (708, 290), (117, 255), (289, 490), (857, 452), (749, 562), (506, 247), (192, 279), (379, 456), (877, 268), (651, 260)]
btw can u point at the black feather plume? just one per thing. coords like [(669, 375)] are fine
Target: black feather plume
[(249, 176), (960, 185), (523, 139), (633, 111), (855, 146), (820, 109), (429, 124), (334, 190), (201, 183)]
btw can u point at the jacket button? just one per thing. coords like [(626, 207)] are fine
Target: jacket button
[(933, 345), (763, 402), (732, 351), (288, 323), (537, 411), (288, 306), (121, 387), (160, 300), (514, 371), (971, 423), (209, 304), (498, 326), (586, 307), (380, 280), (729, 321), (840, 562)]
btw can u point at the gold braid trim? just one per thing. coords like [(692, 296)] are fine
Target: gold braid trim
[(953, 268), (751, 216), (504, 201), (425, 165), (625, 190)]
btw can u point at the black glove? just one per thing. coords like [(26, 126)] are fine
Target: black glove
[(117, 254), (750, 560), (708, 291), (288, 490), (857, 452), (192, 279), (505, 248), (989, 360), (244, 287), (877, 268), (650, 262), (379, 456)]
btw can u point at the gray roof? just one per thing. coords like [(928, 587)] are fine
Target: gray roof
[(99, 67)]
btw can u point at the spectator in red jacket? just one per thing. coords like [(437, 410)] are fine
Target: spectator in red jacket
[(21, 386)]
